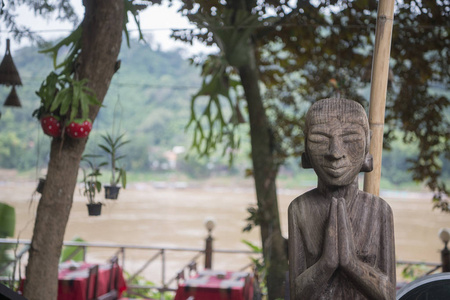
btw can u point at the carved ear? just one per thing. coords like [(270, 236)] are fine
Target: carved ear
[(367, 166), (306, 164)]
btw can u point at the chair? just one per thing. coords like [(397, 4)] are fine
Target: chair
[(435, 286), (112, 293), (92, 276), (113, 290)]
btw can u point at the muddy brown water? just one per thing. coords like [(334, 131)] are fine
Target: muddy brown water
[(173, 215)]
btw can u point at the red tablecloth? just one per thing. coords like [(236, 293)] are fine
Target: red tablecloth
[(217, 285), (72, 280)]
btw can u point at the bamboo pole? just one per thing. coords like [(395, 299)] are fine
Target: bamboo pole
[(380, 71)]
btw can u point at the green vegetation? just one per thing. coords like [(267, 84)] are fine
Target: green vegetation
[(260, 268), (91, 173), (7, 227), (152, 90), (111, 146), (61, 95), (153, 103), (413, 272), (74, 253), (145, 292)]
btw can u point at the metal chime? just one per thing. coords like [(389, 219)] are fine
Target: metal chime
[(10, 76)]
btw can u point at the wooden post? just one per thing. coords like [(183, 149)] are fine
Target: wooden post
[(380, 71), (208, 252), (445, 259), (209, 224)]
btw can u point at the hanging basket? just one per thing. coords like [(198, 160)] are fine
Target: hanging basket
[(8, 71), (94, 209), (13, 99), (111, 192)]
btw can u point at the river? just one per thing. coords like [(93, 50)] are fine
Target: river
[(173, 215)]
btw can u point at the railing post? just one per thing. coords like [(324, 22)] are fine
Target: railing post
[(122, 250), (209, 224), (445, 258), (163, 273), (444, 235), (208, 252), (84, 253)]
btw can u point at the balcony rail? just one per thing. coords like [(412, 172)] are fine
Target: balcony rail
[(158, 255), (155, 255)]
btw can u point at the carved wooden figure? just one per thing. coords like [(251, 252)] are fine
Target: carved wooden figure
[(341, 239)]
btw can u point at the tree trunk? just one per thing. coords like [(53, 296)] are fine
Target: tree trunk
[(264, 173), (101, 40)]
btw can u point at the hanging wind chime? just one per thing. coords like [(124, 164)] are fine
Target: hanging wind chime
[(10, 76)]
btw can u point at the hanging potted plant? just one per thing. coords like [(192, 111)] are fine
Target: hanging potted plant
[(111, 146), (40, 186), (65, 100), (91, 184)]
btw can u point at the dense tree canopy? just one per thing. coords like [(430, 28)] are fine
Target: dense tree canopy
[(305, 51), (58, 10), (312, 50)]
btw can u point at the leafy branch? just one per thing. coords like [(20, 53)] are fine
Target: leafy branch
[(73, 41), (210, 126), (62, 94)]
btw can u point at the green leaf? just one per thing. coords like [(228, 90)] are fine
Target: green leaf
[(77, 91), (108, 140), (84, 106), (93, 100), (68, 251), (123, 173), (98, 186), (121, 144), (106, 149), (252, 246), (73, 39), (7, 220), (66, 103), (74, 109), (58, 99), (120, 157)]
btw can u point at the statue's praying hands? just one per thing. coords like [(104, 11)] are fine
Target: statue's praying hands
[(341, 239)]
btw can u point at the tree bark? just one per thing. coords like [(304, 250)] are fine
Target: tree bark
[(264, 173), (101, 40)]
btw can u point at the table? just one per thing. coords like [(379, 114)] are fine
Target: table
[(73, 277), (217, 285)]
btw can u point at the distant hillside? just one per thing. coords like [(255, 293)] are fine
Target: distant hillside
[(149, 99), (151, 93)]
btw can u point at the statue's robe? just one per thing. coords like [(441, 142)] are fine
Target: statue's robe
[(373, 234)]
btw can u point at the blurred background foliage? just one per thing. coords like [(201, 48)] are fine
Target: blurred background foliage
[(149, 99)]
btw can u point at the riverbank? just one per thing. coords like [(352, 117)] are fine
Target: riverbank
[(172, 214)]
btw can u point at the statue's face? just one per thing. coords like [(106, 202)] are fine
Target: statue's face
[(336, 150)]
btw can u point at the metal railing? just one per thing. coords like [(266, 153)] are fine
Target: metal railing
[(154, 256)]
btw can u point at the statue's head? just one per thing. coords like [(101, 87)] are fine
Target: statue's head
[(337, 138)]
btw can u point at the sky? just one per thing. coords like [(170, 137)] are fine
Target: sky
[(156, 20)]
